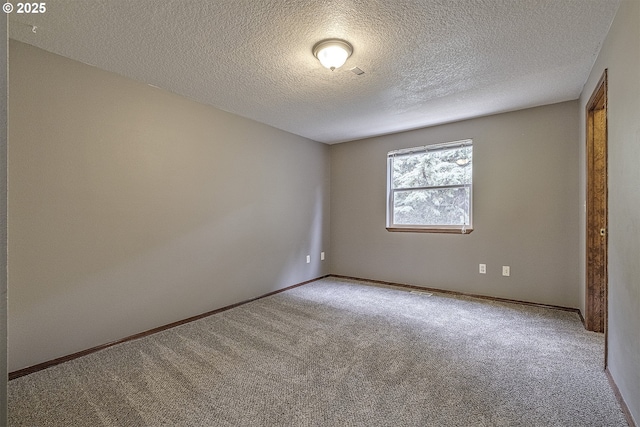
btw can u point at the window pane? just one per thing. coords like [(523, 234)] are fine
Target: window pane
[(450, 166), (441, 206)]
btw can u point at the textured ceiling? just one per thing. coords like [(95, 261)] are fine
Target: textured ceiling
[(426, 62)]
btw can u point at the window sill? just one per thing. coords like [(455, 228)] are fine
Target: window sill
[(429, 230)]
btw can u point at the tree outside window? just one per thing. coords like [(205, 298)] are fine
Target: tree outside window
[(430, 188)]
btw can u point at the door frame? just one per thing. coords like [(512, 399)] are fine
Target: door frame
[(596, 211)]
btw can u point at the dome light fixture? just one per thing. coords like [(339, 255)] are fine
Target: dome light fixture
[(332, 53)]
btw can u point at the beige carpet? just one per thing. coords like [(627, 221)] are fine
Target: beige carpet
[(338, 353)]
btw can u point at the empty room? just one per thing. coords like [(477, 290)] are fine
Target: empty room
[(305, 213)]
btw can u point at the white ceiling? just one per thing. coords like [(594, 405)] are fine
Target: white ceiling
[(426, 62)]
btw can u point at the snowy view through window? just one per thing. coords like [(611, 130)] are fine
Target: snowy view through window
[(431, 186)]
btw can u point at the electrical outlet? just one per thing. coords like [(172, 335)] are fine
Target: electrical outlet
[(308, 259), (506, 270), (321, 256), (483, 269)]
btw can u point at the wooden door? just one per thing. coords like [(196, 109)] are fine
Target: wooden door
[(596, 286)]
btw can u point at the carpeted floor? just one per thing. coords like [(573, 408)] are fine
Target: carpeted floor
[(338, 353)]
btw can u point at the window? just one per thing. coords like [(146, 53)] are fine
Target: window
[(429, 189)]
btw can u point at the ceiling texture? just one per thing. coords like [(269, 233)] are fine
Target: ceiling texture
[(425, 62)]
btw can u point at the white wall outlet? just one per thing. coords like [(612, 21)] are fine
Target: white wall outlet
[(308, 259), (321, 256), (506, 270), (483, 269)]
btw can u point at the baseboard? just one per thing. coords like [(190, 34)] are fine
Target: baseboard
[(44, 365), (443, 291), (623, 404), (582, 319), (57, 361), (48, 364)]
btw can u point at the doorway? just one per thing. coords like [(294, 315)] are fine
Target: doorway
[(596, 218)]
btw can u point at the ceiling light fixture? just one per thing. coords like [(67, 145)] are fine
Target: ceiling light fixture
[(332, 53)]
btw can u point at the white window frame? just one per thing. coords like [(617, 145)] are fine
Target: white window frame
[(428, 228)]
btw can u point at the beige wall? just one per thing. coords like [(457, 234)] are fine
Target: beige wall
[(131, 207), (620, 54), (525, 213)]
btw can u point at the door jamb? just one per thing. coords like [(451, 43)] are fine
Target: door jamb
[(597, 101)]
